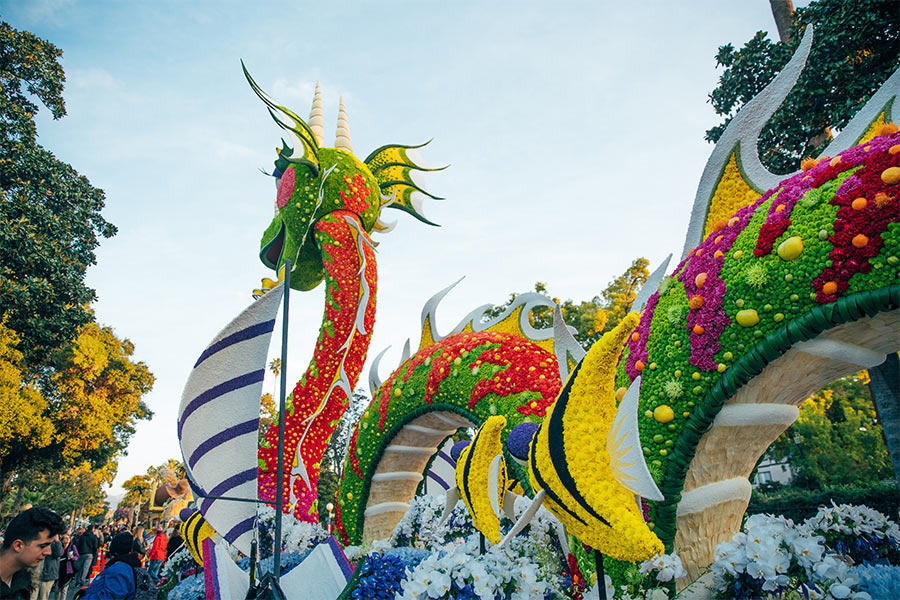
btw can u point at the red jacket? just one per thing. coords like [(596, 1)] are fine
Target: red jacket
[(158, 550)]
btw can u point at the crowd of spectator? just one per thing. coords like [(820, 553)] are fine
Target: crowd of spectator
[(40, 559)]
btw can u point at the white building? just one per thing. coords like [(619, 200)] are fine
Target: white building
[(773, 471)]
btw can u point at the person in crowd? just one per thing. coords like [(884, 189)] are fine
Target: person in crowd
[(87, 545), (27, 540), (66, 566), (139, 545), (49, 572), (175, 539), (118, 580), (157, 554)]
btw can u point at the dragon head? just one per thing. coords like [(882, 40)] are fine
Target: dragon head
[(313, 181)]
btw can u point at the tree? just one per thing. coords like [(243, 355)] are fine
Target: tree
[(837, 438), (22, 407), (855, 48), (88, 409), (591, 318), (50, 217)]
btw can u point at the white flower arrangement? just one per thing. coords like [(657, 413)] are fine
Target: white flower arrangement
[(666, 566), (178, 561), (491, 575), (773, 555), (857, 520)]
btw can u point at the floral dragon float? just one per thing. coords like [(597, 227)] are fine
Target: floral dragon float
[(786, 283)]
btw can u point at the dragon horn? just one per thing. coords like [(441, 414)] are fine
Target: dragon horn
[(342, 138), (316, 122)]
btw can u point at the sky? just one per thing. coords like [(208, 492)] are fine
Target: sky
[(573, 131)]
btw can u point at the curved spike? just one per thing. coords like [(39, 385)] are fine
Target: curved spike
[(742, 136), (564, 344), (884, 100), (383, 227), (650, 286), (342, 137), (316, 120), (374, 378)]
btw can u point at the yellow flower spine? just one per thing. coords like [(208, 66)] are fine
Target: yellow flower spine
[(474, 486), (873, 130), (732, 192)]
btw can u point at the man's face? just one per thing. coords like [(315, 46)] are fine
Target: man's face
[(30, 554)]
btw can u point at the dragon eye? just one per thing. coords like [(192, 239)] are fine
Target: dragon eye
[(286, 187)]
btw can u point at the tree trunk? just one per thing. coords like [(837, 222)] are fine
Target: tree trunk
[(884, 383), (783, 11), (5, 482), (20, 494)]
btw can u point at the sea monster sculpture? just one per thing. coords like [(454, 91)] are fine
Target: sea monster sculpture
[(327, 204), (779, 292)]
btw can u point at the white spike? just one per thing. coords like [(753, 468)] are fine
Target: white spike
[(382, 227), (316, 120), (525, 518), (449, 503), (342, 138), (565, 344), (624, 446), (650, 286), (374, 378), (493, 482)]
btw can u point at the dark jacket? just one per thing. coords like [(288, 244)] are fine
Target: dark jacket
[(50, 572), (175, 542), (19, 586), (87, 543)]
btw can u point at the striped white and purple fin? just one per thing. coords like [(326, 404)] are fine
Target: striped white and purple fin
[(219, 418), (224, 580), (322, 575)]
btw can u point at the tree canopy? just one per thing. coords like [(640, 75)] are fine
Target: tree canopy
[(50, 221), (837, 439), (86, 414), (856, 47)]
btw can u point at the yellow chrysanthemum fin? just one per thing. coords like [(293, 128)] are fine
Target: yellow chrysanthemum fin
[(194, 530), (396, 169), (570, 462), (473, 477), (874, 129), (734, 175), (626, 458)]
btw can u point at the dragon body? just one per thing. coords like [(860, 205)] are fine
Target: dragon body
[(328, 202)]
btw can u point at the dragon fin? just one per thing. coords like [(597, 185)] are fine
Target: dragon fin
[(396, 169), (734, 176)]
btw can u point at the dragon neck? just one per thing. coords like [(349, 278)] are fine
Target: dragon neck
[(321, 396)]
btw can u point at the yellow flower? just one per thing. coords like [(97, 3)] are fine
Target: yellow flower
[(473, 477), (570, 462)]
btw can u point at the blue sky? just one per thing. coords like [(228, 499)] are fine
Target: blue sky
[(574, 131)]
